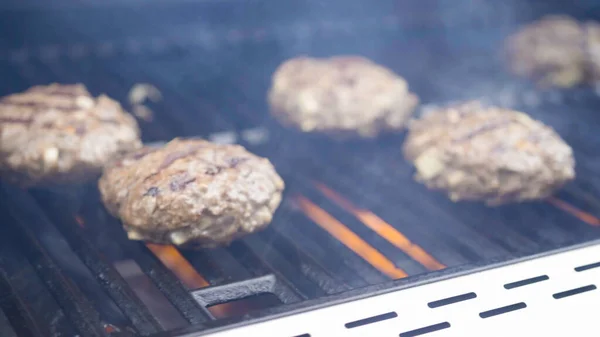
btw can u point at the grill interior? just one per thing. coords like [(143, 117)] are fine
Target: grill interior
[(352, 219)]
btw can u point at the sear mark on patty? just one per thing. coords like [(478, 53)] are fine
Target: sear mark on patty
[(135, 156), (232, 163), (491, 126), (180, 182), (110, 121), (7, 103), (173, 157), (16, 120), (142, 153), (235, 161), (152, 192), (213, 170)]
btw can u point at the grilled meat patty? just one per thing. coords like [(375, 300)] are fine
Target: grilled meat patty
[(343, 96), (191, 193), (491, 154), (58, 134), (556, 50), (550, 50)]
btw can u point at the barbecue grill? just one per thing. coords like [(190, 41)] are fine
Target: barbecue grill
[(357, 247)]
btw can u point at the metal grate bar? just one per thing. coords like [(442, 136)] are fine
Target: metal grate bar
[(162, 277), (257, 268), (76, 306), (30, 292), (293, 264), (217, 265), (16, 311), (298, 257), (336, 264), (5, 329), (302, 185), (107, 276), (169, 285), (395, 255)]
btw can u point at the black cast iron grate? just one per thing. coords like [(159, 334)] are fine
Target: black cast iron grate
[(66, 267)]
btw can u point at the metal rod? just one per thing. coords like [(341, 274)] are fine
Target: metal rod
[(75, 305), (169, 285), (16, 312), (110, 279)]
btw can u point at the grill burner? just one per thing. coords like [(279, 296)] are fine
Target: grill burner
[(352, 217)]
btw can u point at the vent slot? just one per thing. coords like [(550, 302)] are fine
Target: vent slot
[(426, 330), (452, 300), (372, 319), (574, 291), (526, 282), (587, 267), (503, 310)]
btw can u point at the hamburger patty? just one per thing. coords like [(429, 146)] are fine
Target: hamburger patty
[(59, 134), (491, 154), (191, 193), (343, 95), (556, 51), (549, 50)]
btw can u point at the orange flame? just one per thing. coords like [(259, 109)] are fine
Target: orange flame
[(222, 310), (229, 310), (173, 260), (349, 238), (384, 229), (109, 328), (574, 211)]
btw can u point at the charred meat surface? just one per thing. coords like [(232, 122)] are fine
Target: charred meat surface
[(491, 154), (191, 193), (343, 96), (60, 134)]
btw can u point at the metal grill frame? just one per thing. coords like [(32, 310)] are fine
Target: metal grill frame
[(569, 281)]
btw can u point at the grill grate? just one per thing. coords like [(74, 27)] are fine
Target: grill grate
[(60, 251), (114, 283)]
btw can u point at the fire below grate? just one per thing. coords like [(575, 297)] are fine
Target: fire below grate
[(352, 221)]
